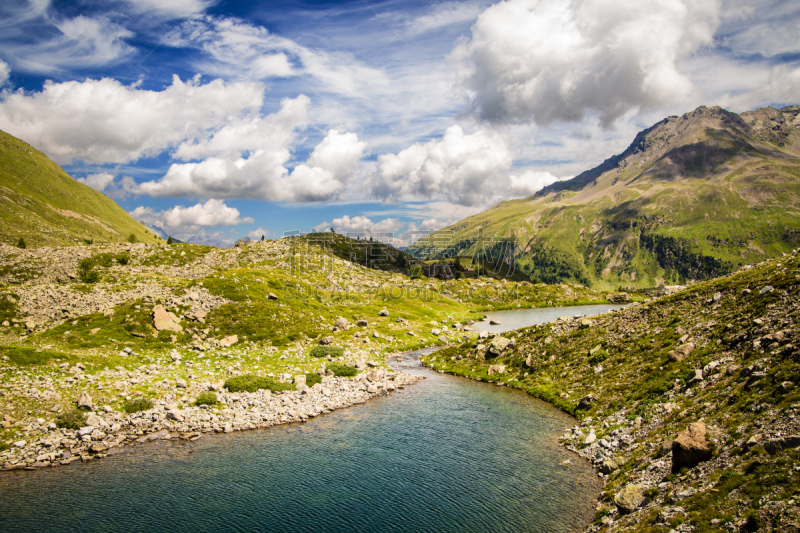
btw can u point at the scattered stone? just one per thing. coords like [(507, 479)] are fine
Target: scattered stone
[(84, 401), (497, 369), (383, 312), (585, 323), (324, 341), (586, 402), (690, 448), (272, 296), (229, 341), (694, 377), (164, 320), (629, 499), (341, 323), (498, 345), (681, 352)]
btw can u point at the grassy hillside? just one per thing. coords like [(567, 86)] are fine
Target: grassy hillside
[(693, 197), (42, 204), (737, 369), (265, 308)]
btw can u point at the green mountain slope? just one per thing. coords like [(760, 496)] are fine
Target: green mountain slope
[(693, 197), (42, 204)]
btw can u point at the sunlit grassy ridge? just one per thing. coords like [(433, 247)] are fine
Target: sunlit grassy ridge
[(43, 205)]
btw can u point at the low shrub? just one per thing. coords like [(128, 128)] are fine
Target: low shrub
[(71, 420), (86, 271), (313, 379), (26, 356), (132, 239), (323, 351), (21, 243), (139, 404), (252, 383), (123, 260), (206, 398), (343, 370)]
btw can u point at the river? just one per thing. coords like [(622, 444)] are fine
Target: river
[(444, 455)]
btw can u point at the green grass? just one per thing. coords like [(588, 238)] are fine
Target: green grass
[(136, 405), (206, 398), (44, 206), (313, 379), (252, 383), (322, 351), (26, 356), (71, 420), (344, 371)]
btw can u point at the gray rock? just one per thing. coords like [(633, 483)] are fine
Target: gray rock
[(272, 296), (629, 498), (586, 402), (694, 376), (383, 312), (498, 345), (324, 341), (681, 352), (341, 323), (84, 401)]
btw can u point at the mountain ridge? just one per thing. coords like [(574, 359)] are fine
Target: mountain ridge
[(692, 197)]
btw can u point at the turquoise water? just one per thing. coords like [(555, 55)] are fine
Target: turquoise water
[(444, 455)]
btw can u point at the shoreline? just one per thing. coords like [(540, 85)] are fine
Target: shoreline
[(237, 411)]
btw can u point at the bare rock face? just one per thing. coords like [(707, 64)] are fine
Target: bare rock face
[(164, 320), (681, 352), (690, 448)]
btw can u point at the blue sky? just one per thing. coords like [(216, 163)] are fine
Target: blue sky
[(233, 118)]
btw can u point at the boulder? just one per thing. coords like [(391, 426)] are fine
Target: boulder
[(300, 379), (498, 345), (776, 445), (690, 448), (609, 465), (494, 323), (586, 402), (681, 352), (341, 323), (585, 323), (362, 323), (272, 296), (228, 341), (164, 320), (497, 369), (175, 414), (694, 377), (324, 341), (629, 498), (383, 312), (84, 401)]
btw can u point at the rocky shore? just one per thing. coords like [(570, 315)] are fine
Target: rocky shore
[(688, 404), (107, 429)]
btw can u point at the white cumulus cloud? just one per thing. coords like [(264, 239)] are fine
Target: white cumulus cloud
[(99, 181), (530, 182), (104, 121), (547, 60), (361, 225), (458, 167), (191, 219), (261, 173)]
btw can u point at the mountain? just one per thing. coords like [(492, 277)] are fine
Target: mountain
[(209, 240), (693, 197), (45, 206), (158, 231)]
